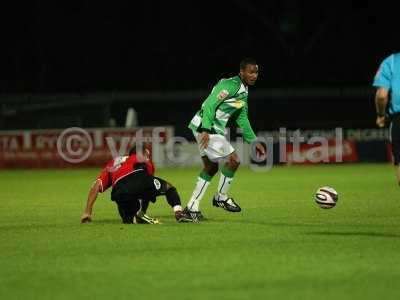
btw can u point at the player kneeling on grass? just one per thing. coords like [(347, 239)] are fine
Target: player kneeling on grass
[(133, 187)]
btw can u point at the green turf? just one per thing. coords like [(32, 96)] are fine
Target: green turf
[(282, 246)]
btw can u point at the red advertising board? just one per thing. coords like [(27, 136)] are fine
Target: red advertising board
[(317, 153), (72, 147)]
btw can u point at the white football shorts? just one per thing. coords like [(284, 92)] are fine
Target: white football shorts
[(218, 147)]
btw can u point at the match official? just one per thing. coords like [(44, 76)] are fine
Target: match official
[(387, 101)]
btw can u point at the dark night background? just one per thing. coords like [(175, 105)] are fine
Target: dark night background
[(92, 47)]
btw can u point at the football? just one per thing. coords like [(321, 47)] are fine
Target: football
[(326, 197)]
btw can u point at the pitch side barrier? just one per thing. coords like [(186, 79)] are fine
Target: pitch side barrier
[(79, 147)]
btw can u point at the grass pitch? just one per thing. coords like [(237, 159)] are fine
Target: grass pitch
[(282, 246)]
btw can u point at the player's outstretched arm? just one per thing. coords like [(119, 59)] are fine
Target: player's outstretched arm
[(383, 84), (381, 100), (248, 132), (243, 122), (204, 139), (92, 196)]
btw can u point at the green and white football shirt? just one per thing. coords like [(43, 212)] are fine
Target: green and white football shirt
[(228, 99)]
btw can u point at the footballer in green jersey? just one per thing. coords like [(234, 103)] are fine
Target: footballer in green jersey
[(227, 101)]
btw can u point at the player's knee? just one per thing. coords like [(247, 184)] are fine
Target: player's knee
[(211, 169), (234, 162), (127, 220)]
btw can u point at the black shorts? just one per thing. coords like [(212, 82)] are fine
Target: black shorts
[(394, 132), (137, 186)]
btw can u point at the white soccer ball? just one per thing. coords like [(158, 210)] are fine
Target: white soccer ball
[(326, 197)]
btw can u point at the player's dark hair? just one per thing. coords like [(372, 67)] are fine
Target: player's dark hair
[(247, 61), (132, 150)]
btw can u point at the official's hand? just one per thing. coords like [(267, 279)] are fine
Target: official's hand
[(86, 218), (204, 139), (260, 149), (380, 121)]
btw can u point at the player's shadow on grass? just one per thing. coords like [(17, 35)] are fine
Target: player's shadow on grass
[(354, 233)]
